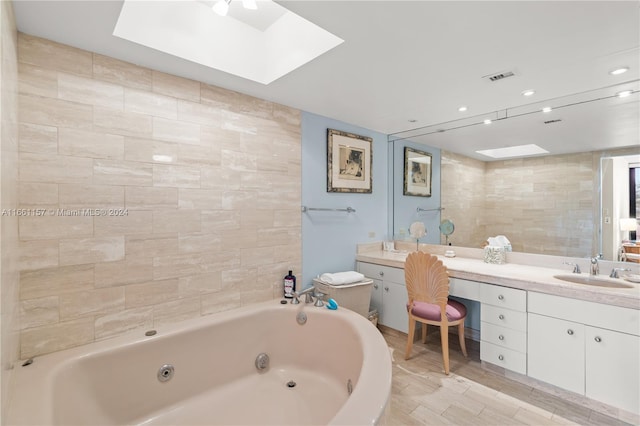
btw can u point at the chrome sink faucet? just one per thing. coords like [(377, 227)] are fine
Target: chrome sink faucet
[(615, 272), (576, 267), (595, 267)]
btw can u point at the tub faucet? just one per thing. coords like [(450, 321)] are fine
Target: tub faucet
[(308, 295)]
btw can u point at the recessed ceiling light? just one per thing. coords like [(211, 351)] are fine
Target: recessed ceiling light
[(528, 92), (487, 121), (619, 71), (222, 7), (546, 109), (514, 151), (624, 93), (250, 4), (462, 109)]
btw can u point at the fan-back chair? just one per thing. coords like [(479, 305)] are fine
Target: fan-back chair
[(427, 284)]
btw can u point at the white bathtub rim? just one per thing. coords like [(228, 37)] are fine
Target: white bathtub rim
[(374, 384), (371, 390)]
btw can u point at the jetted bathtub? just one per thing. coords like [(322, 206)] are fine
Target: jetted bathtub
[(333, 369)]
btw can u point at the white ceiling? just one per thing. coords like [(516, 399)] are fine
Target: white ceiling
[(421, 60)]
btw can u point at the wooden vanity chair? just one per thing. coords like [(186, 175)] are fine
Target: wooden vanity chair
[(428, 289)]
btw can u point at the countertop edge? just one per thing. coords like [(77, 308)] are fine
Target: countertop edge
[(551, 285)]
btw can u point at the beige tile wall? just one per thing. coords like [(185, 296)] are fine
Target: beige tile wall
[(463, 198), (546, 205), (9, 244), (208, 180)]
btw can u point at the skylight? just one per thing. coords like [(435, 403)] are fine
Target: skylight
[(514, 151), (260, 45)]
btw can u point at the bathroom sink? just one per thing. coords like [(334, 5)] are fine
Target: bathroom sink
[(594, 281)]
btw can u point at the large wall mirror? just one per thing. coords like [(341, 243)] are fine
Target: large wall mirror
[(568, 202)]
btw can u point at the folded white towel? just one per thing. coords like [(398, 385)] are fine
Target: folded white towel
[(340, 278)]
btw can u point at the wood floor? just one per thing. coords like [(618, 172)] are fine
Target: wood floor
[(471, 395)]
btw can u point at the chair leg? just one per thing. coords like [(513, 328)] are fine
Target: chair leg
[(461, 337), (444, 338), (424, 332), (412, 329)]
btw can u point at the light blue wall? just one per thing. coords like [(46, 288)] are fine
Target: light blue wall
[(404, 206), (329, 239)]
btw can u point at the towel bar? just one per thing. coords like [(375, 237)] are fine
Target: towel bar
[(348, 209)]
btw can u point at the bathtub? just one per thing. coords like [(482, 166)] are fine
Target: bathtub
[(333, 369)]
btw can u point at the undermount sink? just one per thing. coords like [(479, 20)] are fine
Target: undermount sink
[(591, 280)]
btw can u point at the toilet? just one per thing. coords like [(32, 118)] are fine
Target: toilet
[(355, 296)]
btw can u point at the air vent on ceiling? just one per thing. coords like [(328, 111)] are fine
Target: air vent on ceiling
[(499, 76), (557, 120)]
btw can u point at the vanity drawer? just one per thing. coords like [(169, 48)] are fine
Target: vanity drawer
[(378, 272), (504, 317), (510, 298), (503, 357), (617, 318), (504, 337), (464, 288)]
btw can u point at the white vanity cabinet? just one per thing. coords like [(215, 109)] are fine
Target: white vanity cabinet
[(556, 352), (389, 294), (503, 327), (612, 368), (586, 347)]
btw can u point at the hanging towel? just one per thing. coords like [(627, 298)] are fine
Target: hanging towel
[(340, 278)]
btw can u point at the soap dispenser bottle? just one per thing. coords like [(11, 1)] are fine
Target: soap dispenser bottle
[(289, 285)]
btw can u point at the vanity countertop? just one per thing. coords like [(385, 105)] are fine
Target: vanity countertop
[(525, 277)]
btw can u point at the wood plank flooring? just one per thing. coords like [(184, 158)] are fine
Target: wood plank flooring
[(471, 395)]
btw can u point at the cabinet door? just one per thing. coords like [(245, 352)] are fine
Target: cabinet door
[(612, 368), (376, 296), (556, 352), (394, 306)]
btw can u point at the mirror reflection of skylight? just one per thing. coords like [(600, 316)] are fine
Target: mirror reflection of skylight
[(514, 151), (260, 45)]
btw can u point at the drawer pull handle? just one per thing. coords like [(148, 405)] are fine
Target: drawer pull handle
[(501, 316), (382, 273), (501, 358), (570, 332), (598, 339), (375, 286), (386, 289), (501, 337), (500, 297)]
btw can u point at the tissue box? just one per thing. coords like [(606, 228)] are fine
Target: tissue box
[(496, 255)]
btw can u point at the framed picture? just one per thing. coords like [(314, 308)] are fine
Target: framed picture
[(417, 172), (349, 161)]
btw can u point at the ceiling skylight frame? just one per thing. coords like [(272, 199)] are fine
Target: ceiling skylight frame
[(192, 31), (527, 150)]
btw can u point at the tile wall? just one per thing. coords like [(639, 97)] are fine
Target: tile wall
[(546, 205), (197, 191), (462, 192), (9, 246)]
